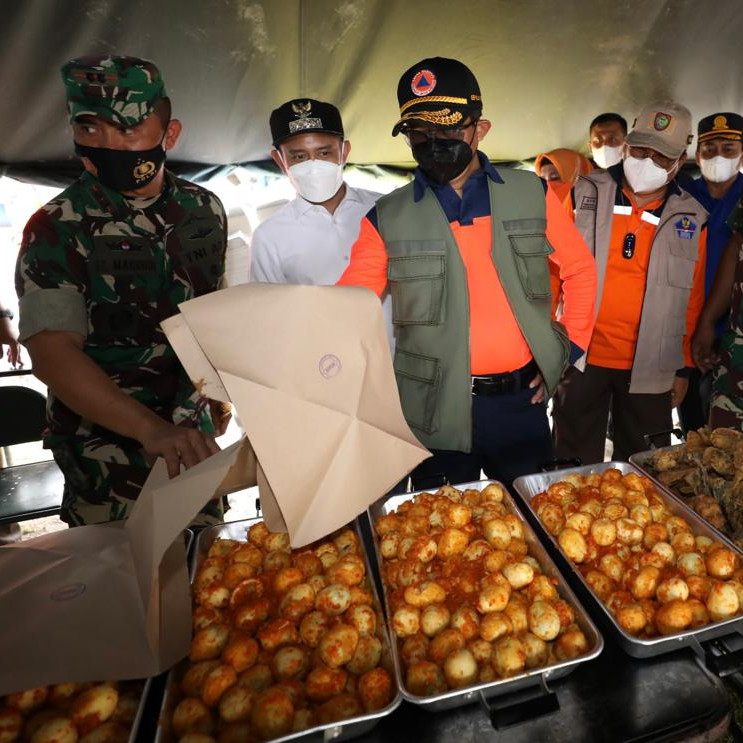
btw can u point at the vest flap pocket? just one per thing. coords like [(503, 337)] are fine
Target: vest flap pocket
[(680, 270), (416, 284), (525, 225), (418, 380), (401, 248), (530, 254), (688, 249), (421, 266)]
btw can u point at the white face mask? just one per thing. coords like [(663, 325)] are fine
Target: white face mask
[(719, 169), (316, 180), (644, 175), (606, 156)]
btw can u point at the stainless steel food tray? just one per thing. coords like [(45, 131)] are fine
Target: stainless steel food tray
[(528, 486), (343, 730), (533, 677)]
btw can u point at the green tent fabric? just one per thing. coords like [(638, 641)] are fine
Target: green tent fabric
[(545, 67)]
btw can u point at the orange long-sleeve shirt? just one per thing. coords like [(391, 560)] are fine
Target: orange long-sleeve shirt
[(495, 347), (618, 321)]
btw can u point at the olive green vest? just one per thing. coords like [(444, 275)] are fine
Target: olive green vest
[(430, 301)]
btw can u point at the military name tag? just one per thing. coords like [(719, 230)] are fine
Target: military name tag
[(123, 255)]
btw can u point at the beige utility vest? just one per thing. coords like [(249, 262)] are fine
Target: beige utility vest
[(673, 257), (430, 301)]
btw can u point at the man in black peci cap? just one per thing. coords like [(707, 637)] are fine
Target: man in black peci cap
[(464, 250), (308, 240)]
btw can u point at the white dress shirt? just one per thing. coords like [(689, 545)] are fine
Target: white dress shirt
[(303, 243)]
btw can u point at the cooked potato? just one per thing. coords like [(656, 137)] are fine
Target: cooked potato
[(257, 533), (544, 621), (691, 563), (290, 662), (111, 732), (493, 598), (447, 641), (363, 617), (722, 602), (434, 618), (629, 531), (272, 714), (683, 541), (334, 599), (192, 683), (192, 716), (258, 678), (542, 587), (406, 621), (367, 655), (673, 588), (93, 707), (573, 544), (241, 652), (645, 583), (245, 592), (11, 722), (349, 571), (721, 563), (495, 625), (338, 645), (466, 620), (673, 617), (424, 679), (509, 656), (236, 704), (460, 668), (276, 541), (665, 552), (536, 649), (631, 618), (518, 574), (216, 682), (323, 683), (56, 730), (25, 701), (612, 566), (249, 616), (570, 645), (375, 689), (452, 542), (276, 633)]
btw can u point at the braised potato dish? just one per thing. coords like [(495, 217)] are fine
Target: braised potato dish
[(71, 713), (643, 562), (284, 640), (468, 603)]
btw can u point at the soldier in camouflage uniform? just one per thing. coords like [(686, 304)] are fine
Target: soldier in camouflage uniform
[(99, 268), (726, 294)]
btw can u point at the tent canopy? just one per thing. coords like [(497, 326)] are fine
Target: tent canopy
[(545, 68)]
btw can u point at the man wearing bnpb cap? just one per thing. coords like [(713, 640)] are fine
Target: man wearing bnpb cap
[(308, 240), (719, 188), (464, 250), (648, 236), (100, 266)]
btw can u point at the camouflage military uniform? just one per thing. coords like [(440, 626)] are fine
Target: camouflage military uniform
[(727, 382), (111, 268)]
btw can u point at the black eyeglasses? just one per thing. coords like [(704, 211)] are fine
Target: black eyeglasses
[(628, 245)]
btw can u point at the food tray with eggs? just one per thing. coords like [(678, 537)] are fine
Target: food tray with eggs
[(661, 576), (327, 601), (489, 632)]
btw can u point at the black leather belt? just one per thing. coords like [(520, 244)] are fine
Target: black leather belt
[(505, 384)]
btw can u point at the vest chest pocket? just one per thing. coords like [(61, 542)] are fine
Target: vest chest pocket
[(682, 261), (530, 255), (418, 380), (416, 283)]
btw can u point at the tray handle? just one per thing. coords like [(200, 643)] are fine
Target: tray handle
[(520, 706), (559, 464), (723, 662), (650, 437)]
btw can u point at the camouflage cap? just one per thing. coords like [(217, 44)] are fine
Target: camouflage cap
[(120, 89)]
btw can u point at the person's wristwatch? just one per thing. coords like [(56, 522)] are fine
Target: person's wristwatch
[(6, 313)]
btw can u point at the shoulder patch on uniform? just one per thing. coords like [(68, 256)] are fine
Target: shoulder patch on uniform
[(589, 203), (685, 227)]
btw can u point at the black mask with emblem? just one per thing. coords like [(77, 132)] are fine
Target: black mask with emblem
[(442, 160), (124, 170)]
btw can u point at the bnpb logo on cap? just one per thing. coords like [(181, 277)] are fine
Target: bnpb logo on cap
[(423, 82)]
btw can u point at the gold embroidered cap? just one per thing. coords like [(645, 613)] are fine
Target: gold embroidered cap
[(720, 126), (304, 115), (438, 91)]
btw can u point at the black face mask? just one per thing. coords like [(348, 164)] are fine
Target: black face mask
[(442, 160), (124, 170)]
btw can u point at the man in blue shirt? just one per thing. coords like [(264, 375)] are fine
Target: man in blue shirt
[(719, 156)]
